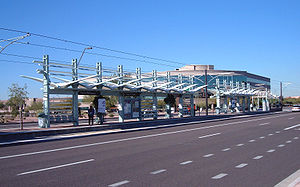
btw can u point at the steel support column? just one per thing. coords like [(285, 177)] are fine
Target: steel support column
[(121, 97), (225, 104), (180, 106), (249, 103), (218, 98), (192, 105), (138, 83), (75, 92), (243, 104), (46, 83)]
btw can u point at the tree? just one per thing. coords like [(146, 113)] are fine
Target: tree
[(17, 96), (36, 107), (170, 100), (2, 105), (161, 104), (111, 101), (88, 98)]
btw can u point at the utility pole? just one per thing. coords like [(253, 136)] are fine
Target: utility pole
[(206, 99)]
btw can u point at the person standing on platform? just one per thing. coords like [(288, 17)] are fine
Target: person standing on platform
[(91, 113)]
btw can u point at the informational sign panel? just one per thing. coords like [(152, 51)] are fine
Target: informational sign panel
[(101, 105), (131, 108)]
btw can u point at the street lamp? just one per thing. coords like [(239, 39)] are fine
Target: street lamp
[(83, 53)]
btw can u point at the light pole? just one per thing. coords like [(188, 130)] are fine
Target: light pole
[(83, 53)]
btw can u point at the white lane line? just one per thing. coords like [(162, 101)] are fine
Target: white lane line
[(262, 124), (251, 141), (277, 132), (119, 183), (262, 137), (296, 138), (219, 176), (140, 137), (292, 118), (271, 150), (239, 145), (55, 167), (258, 157), (186, 162), (270, 134), (281, 145), (241, 165), (209, 135), (227, 149), (289, 141), (158, 171), (208, 155), (294, 126)]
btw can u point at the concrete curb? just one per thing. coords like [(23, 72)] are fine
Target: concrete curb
[(291, 181)]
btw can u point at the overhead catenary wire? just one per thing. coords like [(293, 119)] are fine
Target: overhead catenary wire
[(94, 46), (14, 61), (93, 53)]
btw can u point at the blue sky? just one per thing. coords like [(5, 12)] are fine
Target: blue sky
[(259, 36)]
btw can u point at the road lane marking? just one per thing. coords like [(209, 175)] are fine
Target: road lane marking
[(277, 132), (138, 137), (258, 157), (209, 135), (219, 176), (119, 183), (270, 134), (158, 171), (227, 149), (294, 126), (262, 137), (271, 150), (186, 162), (208, 155), (241, 165), (55, 167), (296, 138), (289, 141), (239, 145), (292, 118), (251, 141), (281, 145), (262, 124)]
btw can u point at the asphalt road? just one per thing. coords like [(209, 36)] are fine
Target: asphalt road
[(255, 151)]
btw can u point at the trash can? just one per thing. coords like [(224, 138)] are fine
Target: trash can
[(42, 120)]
